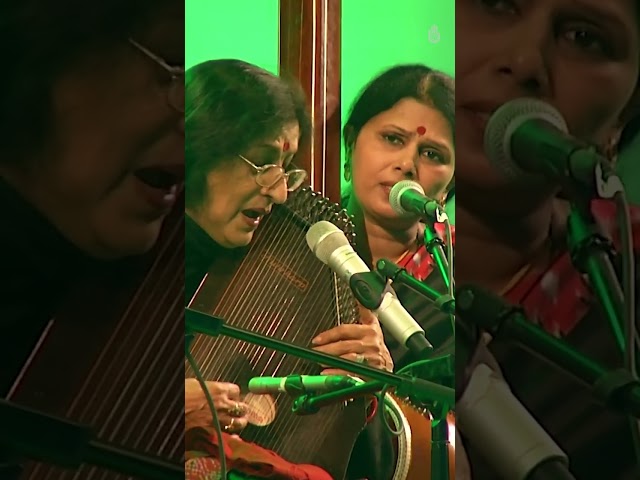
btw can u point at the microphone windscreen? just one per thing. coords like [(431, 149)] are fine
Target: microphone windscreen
[(324, 238), (396, 193), (504, 122)]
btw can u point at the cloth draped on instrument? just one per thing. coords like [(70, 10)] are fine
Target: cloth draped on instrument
[(244, 460)]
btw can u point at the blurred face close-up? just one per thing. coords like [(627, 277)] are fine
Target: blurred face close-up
[(236, 204), (410, 141), (111, 169), (581, 56)]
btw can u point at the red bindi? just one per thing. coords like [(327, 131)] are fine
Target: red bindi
[(285, 147), (421, 130)]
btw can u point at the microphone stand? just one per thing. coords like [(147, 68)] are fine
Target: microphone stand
[(435, 246), (423, 390), (370, 288), (532, 455), (48, 439), (439, 443), (310, 404), (591, 253), (445, 303), (617, 389), (306, 404)]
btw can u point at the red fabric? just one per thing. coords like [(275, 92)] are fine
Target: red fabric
[(560, 298), (372, 410), (248, 458), (420, 264)]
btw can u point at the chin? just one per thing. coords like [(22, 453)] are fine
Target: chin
[(475, 170), (237, 241), (125, 242), (390, 219), (480, 176), (246, 240)]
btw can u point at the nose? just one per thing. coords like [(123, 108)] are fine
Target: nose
[(406, 164), (525, 61), (277, 193)]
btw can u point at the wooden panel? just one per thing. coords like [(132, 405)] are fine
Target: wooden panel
[(310, 51)]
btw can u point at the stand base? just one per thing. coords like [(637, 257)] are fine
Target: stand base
[(439, 446)]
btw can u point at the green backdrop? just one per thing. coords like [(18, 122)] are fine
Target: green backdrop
[(629, 168), (376, 34)]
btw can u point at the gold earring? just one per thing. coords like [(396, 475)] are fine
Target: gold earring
[(347, 173), (611, 150)]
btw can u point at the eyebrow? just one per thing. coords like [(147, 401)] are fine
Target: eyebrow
[(599, 10), (391, 125), (273, 151)]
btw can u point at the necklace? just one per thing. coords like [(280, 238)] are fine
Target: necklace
[(414, 245), (515, 279), (403, 256)]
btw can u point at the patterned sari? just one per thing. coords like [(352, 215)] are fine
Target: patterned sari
[(560, 300)]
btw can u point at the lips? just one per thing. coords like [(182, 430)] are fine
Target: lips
[(253, 216), (254, 213), (473, 123), (482, 116), (387, 186), (479, 119), (161, 177), (159, 185)]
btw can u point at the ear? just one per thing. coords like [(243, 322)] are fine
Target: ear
[(349, 140), (610, 146), (448, 191), (347, 171)]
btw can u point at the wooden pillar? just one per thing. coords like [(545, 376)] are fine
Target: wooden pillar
[(310, 52)]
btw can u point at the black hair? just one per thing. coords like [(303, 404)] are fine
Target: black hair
[(230, 106), (416, 81), (41, 39)]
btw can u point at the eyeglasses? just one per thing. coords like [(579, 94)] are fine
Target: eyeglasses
[(175, 92), (268, 175)]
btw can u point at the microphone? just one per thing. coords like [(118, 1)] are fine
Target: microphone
[(332, 248), (617, 389), (527, 136), (505, 433), (299, 384), (408, 198)]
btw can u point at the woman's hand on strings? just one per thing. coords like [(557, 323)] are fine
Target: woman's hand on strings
[(226, 399), (362, 342)]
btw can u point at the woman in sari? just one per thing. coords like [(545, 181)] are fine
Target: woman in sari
[(401, 127), (582, 58)]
